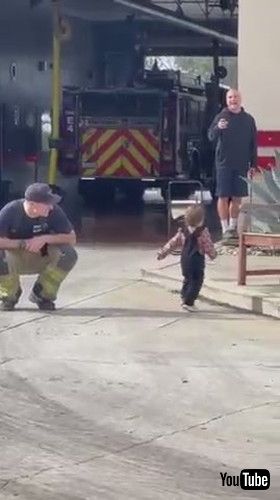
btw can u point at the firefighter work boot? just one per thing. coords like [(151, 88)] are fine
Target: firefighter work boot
[(9, 303), (43, 303)]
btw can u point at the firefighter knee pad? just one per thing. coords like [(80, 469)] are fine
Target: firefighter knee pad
[(4, 268), (68, 258)]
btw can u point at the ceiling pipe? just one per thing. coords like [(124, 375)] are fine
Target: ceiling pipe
[(167, 15)]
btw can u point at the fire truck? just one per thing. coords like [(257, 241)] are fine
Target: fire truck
[(135, 137)]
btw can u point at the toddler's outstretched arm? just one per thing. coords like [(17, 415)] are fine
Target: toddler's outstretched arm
[(175, 243)]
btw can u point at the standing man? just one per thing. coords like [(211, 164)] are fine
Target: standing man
[(235, 136), (35, 238)]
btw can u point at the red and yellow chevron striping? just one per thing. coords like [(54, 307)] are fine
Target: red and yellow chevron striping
[(120, 152)]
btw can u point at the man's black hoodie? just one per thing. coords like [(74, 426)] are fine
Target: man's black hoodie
[(236, 145)]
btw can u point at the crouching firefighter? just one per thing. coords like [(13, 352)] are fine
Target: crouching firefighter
[(36, 237)]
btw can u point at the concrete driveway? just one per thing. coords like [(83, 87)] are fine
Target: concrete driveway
[(122, 395)]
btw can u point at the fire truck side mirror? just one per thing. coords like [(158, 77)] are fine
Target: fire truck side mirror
[(221, 72)]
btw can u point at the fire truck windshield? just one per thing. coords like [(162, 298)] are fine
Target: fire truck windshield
[(120, 105)]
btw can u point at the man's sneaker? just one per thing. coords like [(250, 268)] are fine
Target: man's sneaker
[(190, 308), (9, 303), (42, 303), (230, 237), (233, 233)]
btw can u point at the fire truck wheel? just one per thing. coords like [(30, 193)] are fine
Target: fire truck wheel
[(134, 193), (195, 165), (98, 194), (163, 192)]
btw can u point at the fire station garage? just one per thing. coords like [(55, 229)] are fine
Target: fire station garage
[(143, 364), (117, 101), (153, 128)]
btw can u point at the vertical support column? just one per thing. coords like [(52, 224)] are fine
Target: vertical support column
[(56, 91), (258, 71)]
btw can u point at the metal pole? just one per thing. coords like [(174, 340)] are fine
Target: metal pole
[(56, 89), (207, 9), (251, 176), (167, 15), (216, 51)]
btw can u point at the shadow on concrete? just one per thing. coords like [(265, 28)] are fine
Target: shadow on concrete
[(107, 312)]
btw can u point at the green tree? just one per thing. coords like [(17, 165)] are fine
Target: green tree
[(197, 67)]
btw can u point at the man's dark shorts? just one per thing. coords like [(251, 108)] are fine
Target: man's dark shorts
[(229, 183)]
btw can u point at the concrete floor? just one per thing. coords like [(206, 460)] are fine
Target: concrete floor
[(122, 395)]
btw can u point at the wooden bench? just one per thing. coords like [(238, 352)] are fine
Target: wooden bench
[(260, 240)]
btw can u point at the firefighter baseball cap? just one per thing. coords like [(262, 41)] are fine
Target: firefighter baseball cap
[(40, 192)]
